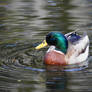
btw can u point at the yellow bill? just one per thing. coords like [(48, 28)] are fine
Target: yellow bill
[(43, 44)]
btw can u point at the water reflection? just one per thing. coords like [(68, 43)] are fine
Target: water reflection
[(56, 79), (23, 24), (41, 13)]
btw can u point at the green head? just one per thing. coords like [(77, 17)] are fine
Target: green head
[(58, 40)]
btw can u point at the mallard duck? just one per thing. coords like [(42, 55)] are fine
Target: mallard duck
[(67, 49)]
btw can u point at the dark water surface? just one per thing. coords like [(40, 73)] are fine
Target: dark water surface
[(23, 25)]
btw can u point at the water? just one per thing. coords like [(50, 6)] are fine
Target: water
[(23, 25)]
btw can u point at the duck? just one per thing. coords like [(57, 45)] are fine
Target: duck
[(65, 49)]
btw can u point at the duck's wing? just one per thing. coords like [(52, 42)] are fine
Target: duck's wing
[(73, 32), (73, 37), (78, 48), (81, 44)]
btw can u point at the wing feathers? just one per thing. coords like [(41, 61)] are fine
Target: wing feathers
[(82, 44), (78, 51)]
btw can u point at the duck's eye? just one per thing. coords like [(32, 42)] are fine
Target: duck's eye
[(50, 40)]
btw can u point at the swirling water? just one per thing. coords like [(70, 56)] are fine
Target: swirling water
[(23, 25)]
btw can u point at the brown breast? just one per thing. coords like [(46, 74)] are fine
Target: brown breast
[(54, 58)]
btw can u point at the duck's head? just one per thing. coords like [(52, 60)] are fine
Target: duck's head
[(57, 39)]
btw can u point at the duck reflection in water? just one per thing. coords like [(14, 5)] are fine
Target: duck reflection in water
[(56, 79)]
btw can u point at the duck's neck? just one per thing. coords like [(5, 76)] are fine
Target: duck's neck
[(62, 45)]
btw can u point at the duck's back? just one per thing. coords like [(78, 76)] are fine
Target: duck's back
[(73, 37), (78, 48)]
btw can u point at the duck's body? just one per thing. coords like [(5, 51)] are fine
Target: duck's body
[(54, 57), (66, 49)]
